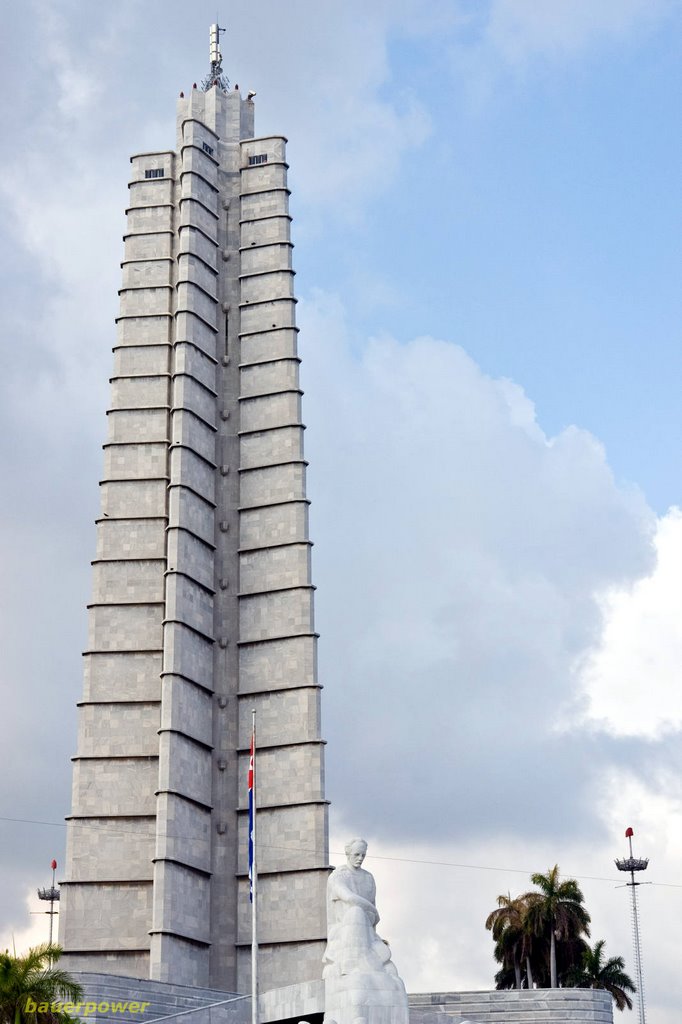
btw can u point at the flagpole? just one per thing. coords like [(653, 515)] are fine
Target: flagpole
[(254, 883)]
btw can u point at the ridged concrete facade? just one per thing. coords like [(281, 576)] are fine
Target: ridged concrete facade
[(198, 1006), (202, 603), (512, 1006)]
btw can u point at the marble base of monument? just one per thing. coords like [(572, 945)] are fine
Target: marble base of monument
[(371, 998), (305, 1001)]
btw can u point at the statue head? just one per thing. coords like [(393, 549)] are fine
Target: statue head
[(355, 851)]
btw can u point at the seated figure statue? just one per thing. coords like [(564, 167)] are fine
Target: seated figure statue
[(361, 982)]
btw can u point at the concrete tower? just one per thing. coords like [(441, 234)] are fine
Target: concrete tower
[(202, 603)]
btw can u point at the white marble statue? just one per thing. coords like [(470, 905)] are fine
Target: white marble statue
[(361, 982)]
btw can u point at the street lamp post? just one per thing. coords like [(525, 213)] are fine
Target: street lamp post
[(632, 865), (51, 896)]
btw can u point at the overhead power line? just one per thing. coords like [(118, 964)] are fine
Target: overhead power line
[(113, 830)]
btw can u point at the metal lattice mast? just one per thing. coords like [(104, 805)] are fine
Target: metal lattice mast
[(632, 864), (51, 895), (215, 75)]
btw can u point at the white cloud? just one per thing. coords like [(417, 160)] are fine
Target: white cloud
[(633, 678), (348, 119), (463, 553), (30, 929), (519, 29)]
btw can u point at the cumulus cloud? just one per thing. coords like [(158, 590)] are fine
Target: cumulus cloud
[(466, 562), (462, 557), (632, 678), (349, 119), (19, 935)]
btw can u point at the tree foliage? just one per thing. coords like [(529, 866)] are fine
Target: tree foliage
[(33, 980), (540, 941), (595, 971), (513, 941), (557, 912)]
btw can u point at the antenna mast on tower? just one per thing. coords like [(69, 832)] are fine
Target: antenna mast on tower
[(632, 864), (215, 75)]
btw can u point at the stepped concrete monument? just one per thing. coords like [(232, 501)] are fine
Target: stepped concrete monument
[(361, 983), (202, 601)]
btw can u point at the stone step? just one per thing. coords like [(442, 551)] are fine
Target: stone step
[(162, 999), (537, 1006)]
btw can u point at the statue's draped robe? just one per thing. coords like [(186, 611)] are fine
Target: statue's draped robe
[(353, 944)]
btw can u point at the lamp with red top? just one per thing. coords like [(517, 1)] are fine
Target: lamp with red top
[(633, 864)]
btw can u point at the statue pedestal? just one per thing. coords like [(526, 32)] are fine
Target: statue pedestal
[(376, 997)]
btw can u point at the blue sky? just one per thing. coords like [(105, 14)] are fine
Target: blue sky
[(487, 219), (538, 226)]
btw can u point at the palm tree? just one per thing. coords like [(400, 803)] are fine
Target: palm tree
[(558, 911), (514, 943), (569, 955), (34, 977), (506, 925), (596, 972)]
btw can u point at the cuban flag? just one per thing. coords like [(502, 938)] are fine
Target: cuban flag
[(251, 814)]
